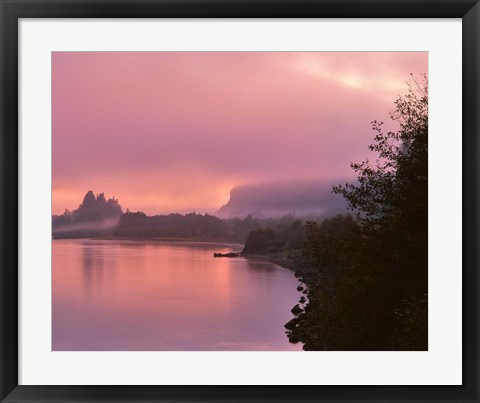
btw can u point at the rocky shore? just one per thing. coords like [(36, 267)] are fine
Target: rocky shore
[(296, 328)]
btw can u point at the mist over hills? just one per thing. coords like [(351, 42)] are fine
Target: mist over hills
[(92, 215), (302, 198), (250, 207)]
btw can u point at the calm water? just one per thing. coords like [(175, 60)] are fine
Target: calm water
[(128, 295)]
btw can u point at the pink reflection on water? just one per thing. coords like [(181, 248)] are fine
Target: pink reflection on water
[(123, 295)]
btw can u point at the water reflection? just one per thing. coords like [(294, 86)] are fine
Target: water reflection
[(92, 261), (260, 264), (111, 295)]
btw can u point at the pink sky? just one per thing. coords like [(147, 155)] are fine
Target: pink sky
[(175, 131)]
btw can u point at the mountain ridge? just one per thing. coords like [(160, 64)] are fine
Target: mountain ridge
[(304, 198)]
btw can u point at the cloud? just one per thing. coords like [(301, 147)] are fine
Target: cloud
[(176, 130)]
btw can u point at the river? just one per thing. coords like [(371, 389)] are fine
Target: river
[(156, 296)]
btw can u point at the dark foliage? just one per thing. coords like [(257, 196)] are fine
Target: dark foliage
[(284, 238), (189, 226), (261, 241), (367, 276)]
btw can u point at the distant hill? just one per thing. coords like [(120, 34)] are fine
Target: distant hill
[(94, 214), (303, 198), (250, 207)]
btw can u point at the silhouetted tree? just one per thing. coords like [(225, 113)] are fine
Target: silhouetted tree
[(395, 187), (368, 278), (391, 197)]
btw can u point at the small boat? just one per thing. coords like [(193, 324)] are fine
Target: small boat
[(227, 254)]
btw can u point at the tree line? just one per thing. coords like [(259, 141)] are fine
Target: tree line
[(204, 227)]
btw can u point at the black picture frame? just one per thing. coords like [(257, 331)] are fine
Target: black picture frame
[(12, 10)]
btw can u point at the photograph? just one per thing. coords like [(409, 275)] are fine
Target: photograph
[(239, 201)]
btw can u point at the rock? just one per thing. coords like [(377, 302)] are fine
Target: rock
[(226, 254), (298, 274), (296, 310), (302, 299), (290, 325), (304, 291), (300, 288), (293, 339)]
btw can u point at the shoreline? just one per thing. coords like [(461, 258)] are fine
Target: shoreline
[(158, 239)]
